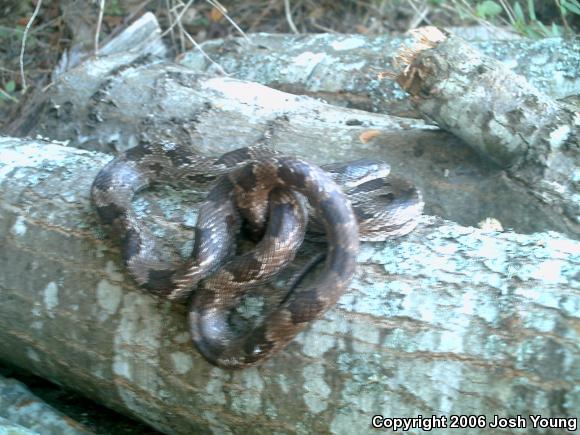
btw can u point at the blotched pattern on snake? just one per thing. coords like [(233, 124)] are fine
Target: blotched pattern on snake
[(274, 194)]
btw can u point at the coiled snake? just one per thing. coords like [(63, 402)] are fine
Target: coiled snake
[(267, 190)]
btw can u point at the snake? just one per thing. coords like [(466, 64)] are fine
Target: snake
[(277, 198)]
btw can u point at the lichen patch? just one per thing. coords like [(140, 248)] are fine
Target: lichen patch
[(108, 298), (50, 297), (182, 362), (19, 227), (317, 392)]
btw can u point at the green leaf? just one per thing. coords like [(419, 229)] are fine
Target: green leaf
[(572, 6), (532, 10), (488, 8), (200, 21), (532, 32), (556, 30), (10, 86), (464, 13), (543, 28), (114, 8), (519, 13)]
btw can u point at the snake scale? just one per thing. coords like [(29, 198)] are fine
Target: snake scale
[(273, 195)]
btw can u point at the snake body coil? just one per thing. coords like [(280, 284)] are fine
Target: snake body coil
[(267, 190)]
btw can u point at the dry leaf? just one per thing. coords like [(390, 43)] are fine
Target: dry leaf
[(368, 135), (216, 15)]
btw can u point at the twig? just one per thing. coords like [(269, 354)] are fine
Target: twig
[(177, 19), (564, 20), (509, 11), (289, 17), (99, 23), (320, 26), (170, 19), (265, 11), (180, 33), (50, 23), (196, 45), (24, 36), (216, 4), (7, 95), (11, 71), (420, 15)]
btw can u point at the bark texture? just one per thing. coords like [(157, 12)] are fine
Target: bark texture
[(343, 69), (20, 407), (500, 115), (111, 103), (9, 428), (448, 320)]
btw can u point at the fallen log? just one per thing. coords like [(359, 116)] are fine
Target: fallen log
[(9, 428), (21, 407), (446, 321), (112, 103), (499, 114), (343, 69)]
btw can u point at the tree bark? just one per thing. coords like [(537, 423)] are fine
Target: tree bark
[(343, 69), (112, 103), (499, 114), (448, 320), (20, 407), (9, 428)]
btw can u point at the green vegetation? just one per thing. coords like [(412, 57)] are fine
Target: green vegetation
[(523, 19)]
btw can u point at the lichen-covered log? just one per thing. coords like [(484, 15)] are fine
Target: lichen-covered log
[(113, 102), (499, 114), (19, 406), (343, 69), (448, 320), (9, 428)]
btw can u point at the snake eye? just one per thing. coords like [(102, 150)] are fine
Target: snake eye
[(257, 350)]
